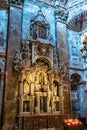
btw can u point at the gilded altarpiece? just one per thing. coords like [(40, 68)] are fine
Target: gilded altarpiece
[(39, 89)]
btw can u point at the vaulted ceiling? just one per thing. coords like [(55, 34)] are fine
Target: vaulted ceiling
[(77, 20)]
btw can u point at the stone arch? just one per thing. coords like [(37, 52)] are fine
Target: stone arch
[(44, 60), (78, 73), (75, 79)]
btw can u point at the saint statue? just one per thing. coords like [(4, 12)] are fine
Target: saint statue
[(26, 87)]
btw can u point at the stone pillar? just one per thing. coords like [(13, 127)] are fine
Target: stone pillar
[(52, 102), (11, 84), (38, 103), (21, 123), (49, 94), (61, 16), (32, 105)]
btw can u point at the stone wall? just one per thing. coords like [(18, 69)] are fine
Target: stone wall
[(74, 43), (14, 41), (18, 24), (63, 64), (30, 10), (3, 45), (40, 122)]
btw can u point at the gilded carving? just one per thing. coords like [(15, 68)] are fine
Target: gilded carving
[(26, 87), (38, 93), (38, 86)]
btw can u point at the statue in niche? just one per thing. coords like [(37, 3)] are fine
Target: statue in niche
[(26, 106), (41, 79), (55, 88), (49, 97), (42, 32), (26, 88)]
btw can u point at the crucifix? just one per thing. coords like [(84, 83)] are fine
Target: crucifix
[(80, 20)]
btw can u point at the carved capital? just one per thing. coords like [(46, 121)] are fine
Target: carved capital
[(17, 2), (61, 14)]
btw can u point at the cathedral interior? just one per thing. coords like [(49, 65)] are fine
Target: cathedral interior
[(43, 63)]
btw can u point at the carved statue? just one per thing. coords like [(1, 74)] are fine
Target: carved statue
[(26, 88), (16, 61), (55, 88), (26, 52), (26, 106)]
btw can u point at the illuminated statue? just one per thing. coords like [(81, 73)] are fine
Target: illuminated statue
[(26, 87)]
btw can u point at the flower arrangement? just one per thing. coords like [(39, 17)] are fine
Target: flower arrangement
[(72, 122)]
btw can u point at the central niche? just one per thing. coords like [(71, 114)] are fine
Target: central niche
[(40, 90)]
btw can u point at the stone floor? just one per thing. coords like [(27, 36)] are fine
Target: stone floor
[(54, 129)]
